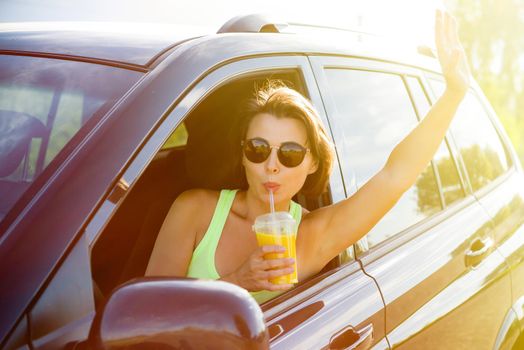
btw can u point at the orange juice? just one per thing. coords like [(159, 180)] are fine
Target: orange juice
[(287, 241), (278, 228)]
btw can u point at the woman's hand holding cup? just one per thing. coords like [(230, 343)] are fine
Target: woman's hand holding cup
[(255, 273)]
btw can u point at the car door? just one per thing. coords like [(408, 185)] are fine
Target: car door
[(491, 165), (339, 308), (433, 255), (51, 109)]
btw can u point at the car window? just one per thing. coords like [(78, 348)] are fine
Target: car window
[(450, 184), (43, 105), (374, 113), (482, 151), (177, 139), (66, 300), (196, 155)]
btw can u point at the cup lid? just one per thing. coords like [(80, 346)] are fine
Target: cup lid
[(274, 218)]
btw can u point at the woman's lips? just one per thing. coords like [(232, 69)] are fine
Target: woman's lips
[(271, 186)]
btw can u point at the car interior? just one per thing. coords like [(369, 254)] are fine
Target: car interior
[(123, 249), (17, 131)]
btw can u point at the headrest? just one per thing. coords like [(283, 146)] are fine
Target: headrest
[(209, 154), (16, 131)]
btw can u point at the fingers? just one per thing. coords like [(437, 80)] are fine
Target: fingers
[(276, 263), (447, 40), (446, 29), (440, 36), (454, 31), (264, 278), (271, 267), (277, 273), (268, 249), (266, 285)]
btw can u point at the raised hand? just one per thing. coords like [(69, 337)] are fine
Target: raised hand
[(451, 54)]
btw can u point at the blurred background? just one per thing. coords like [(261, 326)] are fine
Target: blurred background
[(492, 31)]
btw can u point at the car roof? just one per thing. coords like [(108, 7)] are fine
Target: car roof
[(127, 43), (139, 45)]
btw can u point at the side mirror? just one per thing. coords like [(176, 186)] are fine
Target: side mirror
[(168, 313)]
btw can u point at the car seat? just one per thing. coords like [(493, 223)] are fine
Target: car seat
[(123, 249)]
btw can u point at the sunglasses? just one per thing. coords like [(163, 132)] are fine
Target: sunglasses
[(290, 154)]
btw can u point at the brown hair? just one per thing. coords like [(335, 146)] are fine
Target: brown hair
[(275, 98)]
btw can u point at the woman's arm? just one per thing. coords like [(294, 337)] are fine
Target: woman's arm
[(176, 239), (344, 223)]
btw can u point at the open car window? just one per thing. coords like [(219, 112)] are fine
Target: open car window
[(195, 155)]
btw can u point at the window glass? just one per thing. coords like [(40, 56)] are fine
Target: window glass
[(450, 184), (178, 138), (374, 113), (65, 300), (44, 103), (479, 144), (419, 97)]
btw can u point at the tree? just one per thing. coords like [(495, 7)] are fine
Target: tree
[(491, 32)]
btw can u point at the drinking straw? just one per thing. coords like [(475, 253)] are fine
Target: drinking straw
[(271, 201)]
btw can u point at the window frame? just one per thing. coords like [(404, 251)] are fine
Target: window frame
[(425, 90), (319, 63), (509, 151), (199, 92), (76, 320)]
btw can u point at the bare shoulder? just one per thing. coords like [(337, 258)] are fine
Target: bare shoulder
[(180, 232), (195, 204), (196, 197)]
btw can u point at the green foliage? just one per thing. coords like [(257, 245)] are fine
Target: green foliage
[(491, 32), (178, 138), (482, 165)]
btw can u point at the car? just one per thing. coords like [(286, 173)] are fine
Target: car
[(101, 128)]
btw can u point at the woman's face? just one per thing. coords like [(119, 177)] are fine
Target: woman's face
[(271, 174)]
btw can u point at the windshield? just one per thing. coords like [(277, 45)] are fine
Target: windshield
[(44, 103)]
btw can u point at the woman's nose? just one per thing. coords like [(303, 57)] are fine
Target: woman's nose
[(272, 165)]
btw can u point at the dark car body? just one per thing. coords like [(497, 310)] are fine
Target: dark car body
[(444, 272)]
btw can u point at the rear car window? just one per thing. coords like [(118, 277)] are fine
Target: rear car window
[(44, 103), (480, 147), (374, 112)]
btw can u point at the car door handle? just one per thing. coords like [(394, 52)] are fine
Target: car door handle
[(274, 331), (351, 339), (477, 251), (294, 319)]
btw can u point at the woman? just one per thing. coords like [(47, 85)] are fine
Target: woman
[(207, 234)]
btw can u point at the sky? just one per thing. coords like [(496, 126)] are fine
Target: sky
[(411, 20)]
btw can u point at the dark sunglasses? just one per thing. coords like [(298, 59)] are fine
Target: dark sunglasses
[(290, 154)]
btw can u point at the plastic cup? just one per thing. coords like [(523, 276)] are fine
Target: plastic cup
[(278, 228)]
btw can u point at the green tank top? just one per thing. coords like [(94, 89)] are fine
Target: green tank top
[(202, 263)]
